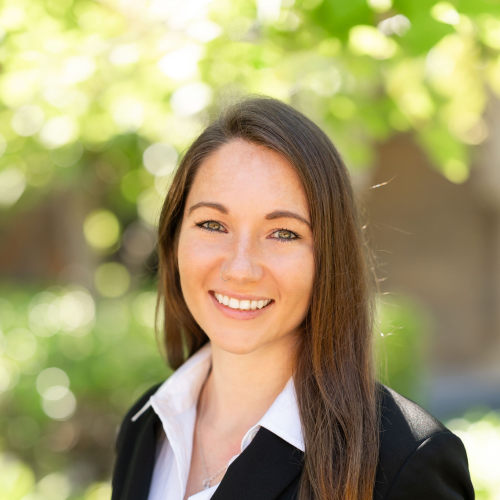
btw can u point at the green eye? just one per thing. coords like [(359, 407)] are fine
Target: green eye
[(285, 235), (212, 225)]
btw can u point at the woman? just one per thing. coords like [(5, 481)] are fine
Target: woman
[(268, 299)]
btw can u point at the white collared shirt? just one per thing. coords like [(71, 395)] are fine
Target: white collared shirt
[(175, 404)]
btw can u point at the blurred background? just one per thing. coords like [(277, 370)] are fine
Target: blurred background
[(99, 99)]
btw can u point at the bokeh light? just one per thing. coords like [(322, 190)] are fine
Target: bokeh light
[(191, 99), (49, 379), (54, 486), (144, 307), (58, 131), (59, 404), (138, 242), (149, 204), (20, 344), (482, 441), (28, 120), (101, 229), (12, 185), (112, 279), (160, 159)]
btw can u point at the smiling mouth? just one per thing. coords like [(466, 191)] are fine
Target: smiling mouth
[(241, 305)]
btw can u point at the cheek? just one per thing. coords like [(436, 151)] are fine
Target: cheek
[(192, 265), (295, 282), (195, 265)]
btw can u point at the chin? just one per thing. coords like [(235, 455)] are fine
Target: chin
[(236, 343)]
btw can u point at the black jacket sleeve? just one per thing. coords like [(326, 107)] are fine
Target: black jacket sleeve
[(436, 470), (419, 458)]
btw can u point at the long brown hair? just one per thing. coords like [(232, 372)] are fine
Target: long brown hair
[(333, 375)]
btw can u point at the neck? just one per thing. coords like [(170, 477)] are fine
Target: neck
[(241, 387)]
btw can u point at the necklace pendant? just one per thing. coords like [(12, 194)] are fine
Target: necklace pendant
[(206, 484)]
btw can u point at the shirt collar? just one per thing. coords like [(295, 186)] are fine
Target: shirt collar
[(181, 390)]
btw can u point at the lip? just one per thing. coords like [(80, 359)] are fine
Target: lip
[(236, 313)]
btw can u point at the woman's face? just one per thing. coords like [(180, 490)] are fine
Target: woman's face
[(246, 212)]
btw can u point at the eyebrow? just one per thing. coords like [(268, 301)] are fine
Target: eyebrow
[(277, 214)]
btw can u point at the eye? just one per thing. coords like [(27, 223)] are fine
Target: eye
[(285, 235), (210, 225)]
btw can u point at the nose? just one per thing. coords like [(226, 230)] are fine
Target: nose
[(243, 263)]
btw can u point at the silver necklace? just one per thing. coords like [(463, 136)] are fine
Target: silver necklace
[(207, 480)]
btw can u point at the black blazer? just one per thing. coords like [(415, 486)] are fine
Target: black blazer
[(420, 459)]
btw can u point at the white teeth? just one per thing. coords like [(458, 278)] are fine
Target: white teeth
[(234, 303), (242, 305)]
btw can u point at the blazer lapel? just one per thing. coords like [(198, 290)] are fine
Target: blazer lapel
[(140, 470), (264, 469)]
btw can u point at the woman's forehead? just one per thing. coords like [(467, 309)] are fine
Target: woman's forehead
[(246, 173)]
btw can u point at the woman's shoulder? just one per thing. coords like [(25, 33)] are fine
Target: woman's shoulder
[(403, 417), (417, 452)]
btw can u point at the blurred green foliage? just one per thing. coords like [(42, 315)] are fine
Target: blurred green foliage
[(479, 430), (70, 367), (99, 98), (87, 86), (401, 338)]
